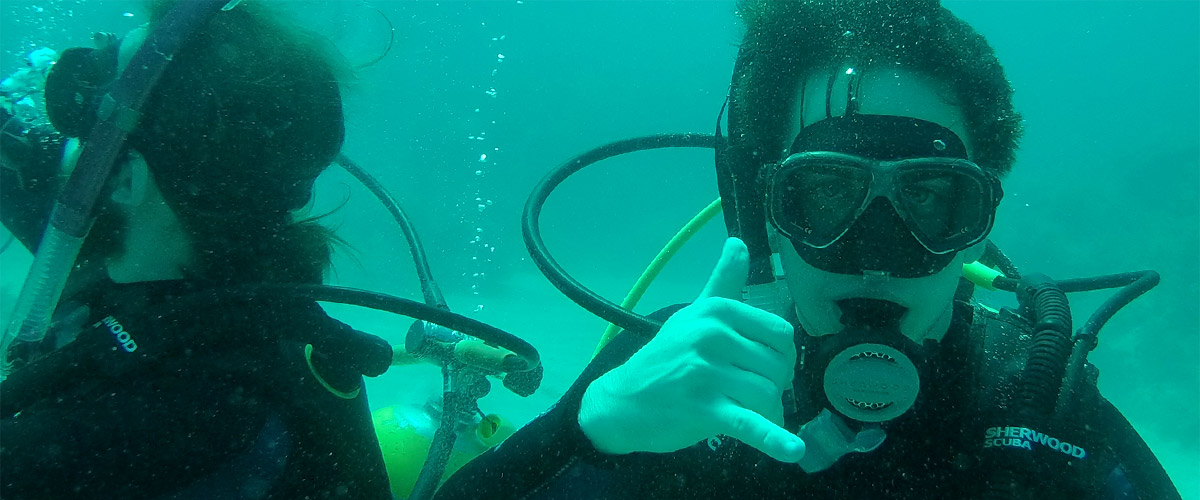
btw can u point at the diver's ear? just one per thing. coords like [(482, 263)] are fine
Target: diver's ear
[(130, 181)]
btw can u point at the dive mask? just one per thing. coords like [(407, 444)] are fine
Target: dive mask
[(947, 204), (880, 193)]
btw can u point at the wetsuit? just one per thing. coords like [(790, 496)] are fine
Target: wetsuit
[(165, 391), (927, 453)]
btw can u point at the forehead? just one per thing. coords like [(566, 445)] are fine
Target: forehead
[(880, 91)]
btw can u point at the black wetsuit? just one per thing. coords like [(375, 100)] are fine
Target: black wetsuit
[(928, 453), (166, 393)]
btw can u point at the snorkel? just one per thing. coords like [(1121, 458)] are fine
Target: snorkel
[(73, 214)]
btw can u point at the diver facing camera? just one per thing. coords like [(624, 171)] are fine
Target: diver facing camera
[(874, 211), (836, 350)]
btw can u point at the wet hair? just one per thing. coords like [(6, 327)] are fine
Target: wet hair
[(788, 40), (243, 120)]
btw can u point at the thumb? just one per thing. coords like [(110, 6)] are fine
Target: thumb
[(729, 276)]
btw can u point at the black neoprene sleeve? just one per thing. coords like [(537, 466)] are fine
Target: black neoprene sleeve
[(140, 438)]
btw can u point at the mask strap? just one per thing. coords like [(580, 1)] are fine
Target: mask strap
[(803, 97), (853, 84), (829, 95)]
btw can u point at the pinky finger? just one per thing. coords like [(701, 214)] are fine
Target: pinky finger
[(762, 434)]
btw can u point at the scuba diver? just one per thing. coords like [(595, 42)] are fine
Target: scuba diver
[(837, 350), (136, 393), (168, 342)]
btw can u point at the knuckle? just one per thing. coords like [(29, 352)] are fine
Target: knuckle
[(716, 305), (711, 335)]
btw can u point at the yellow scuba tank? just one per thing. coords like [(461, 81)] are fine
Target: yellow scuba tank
[(406, 431)]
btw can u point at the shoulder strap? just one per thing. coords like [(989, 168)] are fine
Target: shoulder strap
[(1000, 341)]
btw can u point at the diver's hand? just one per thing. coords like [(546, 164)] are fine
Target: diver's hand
[(717, 366)]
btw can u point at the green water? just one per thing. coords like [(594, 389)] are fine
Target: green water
[(1107, 179)]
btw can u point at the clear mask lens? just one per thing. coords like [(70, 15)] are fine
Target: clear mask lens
[(947, 204)]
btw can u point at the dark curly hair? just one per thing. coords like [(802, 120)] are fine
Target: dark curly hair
[(787, 40), (243, 120)]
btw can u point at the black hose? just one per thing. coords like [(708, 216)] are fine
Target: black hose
[(1139, 283), (1038, 385), (1057, 361), (1106, 281), (1087, 337), (1051, 348), (442, 445), (429, 289), (994, 257), (395, 305), (531, 229)]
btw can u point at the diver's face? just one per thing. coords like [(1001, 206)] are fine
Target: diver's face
[(927, 300)]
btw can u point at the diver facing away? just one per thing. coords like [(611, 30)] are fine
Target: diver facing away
[(146, 385)]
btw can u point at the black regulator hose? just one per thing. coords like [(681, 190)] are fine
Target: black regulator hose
[(1133, 285), (529, 357), (531, 228), (1051, 348), (1057, 362), (1039, 383), (433, 294), (994, 257)]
